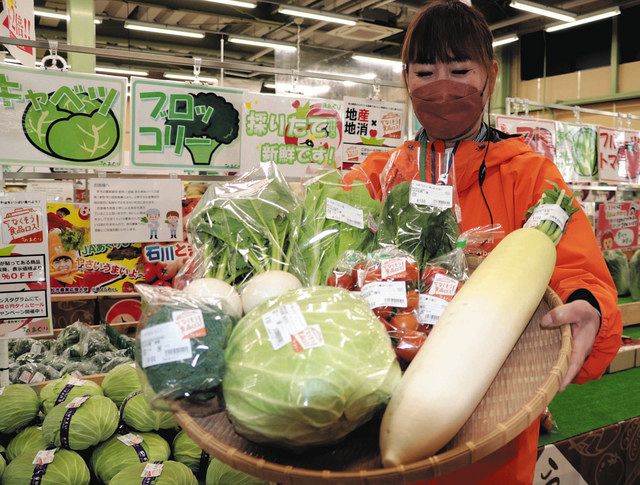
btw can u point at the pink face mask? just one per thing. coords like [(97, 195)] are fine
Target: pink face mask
[(447, 109)]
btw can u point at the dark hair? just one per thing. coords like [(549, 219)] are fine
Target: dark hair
[(448, 31), (64, 210), (172, 213)]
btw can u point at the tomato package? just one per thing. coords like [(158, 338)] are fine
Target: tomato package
[(349, 271), (480, 241)]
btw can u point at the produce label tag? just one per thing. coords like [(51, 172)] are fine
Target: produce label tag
[(444, 286), (1, 391), (385, 293), (392, 267), (152, 470), (191, 323), (36, 349), (130, 439), (431, 309), (25, 377), (438, 196), (548, 212), (76, 402), (74, 381), (44, 457), (308, 338), (341, 212), (37, 378), (160, 344), (77, 374), (283, 322)]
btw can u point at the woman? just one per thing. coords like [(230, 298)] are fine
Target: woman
[(450, 74)]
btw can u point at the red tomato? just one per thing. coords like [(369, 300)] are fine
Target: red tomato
[(150, 274), (339, 279), (383, 312), (429, 274), (411, 273), (405, 322), (409, 344), (373, 275), (166, 271), (413, 300)]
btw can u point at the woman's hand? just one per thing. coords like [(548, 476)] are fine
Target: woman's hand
[(585, 322)]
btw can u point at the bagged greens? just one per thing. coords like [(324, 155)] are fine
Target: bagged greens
[(137, 413), (120, 451), (30, 438), (65, 389), (619, 269), (67, 468), (334, 220), (120, 382), (576, 151), (220, 473), (173, 473), (18, 407), (187, 452), (92, 422), (308, 368)]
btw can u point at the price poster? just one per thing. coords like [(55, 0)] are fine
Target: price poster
[(25, 295), (617, 226), (539, 134), (618, 155)]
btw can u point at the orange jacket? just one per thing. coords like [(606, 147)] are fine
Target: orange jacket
[(515, 179)]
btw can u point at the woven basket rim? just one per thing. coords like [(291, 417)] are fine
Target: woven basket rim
[(460, 456)]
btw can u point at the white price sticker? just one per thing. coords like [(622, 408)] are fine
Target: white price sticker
[(385, 293), (309, 338), (130, 439), (190, 322), (392, 267), (2, 390), (152, 470), (443, 285), (548, 212), (37, 378), (36, 349), (438, 196), (163, 343), (76, 402), (341, 212), (74, 381), (431, 309), (25, 377), (283, 322), (44, 457)]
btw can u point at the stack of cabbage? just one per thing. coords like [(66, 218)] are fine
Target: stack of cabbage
[(625, 272)]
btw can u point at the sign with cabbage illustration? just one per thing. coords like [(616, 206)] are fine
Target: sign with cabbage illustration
[(188, 127), (58, 119)]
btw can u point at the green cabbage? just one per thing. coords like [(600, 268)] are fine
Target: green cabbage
[(18, 407), (138, 415), (93, 422), (173, 473), (634, 280), (619, 269), (50, 393), (219, 473), (313, 396), (30, 438), (3, 465), (187, 452), (120, 382), (114, 455), (67, 468)]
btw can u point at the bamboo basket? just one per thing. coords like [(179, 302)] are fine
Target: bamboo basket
[(525, 385)]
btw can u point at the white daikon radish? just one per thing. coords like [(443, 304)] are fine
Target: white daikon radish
[(213, 288), (267, 285), (467, 347)]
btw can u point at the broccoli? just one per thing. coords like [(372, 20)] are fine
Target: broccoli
[(215, 122)]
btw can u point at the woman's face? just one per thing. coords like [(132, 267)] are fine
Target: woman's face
[(468, 72)]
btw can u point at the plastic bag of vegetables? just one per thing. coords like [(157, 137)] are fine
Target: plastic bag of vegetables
[(65, 389), (187, 452), (576, 151), (30, 438), (180, 349), (47, 467), (349, 271), (122, 450), (220, 473), (308, 368), (19, 406), (137, 414), (120, 382), (619, 269), (162, 472)]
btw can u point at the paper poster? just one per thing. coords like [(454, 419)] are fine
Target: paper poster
[(61, 119), (617, 225), (376, 125), (186, 127), (135, 210), (577, 151), (618, 155), (25, 297), (56, 190), (17, 22), (92, 268), (553, 467), (539, 134), (300, 135)]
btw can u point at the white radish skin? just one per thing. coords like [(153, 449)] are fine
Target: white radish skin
[(267, 285), (213, 288), (466, 348)]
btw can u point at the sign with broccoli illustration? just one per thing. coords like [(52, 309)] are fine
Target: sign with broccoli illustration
[(300, 135), (176, 125), (370, 126), (61, 119)]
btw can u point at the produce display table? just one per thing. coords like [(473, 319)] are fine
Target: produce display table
[(630, 310), (598, 438)]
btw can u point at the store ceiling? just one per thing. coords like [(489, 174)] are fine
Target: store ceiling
[(216, 21)]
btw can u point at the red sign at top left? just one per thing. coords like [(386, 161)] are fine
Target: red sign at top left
[(17, 22)]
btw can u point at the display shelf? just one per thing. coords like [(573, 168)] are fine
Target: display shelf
[(630, 311)]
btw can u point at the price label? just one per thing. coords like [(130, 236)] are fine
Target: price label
[(163, 343), (25, 377), (308, 338), (431, 309), (190, 322), (438, 196), (283, 322), (341, 212), (130, 439), (74, 381), (548, 212), (385, 293), (152, 470), (392, 267), (44, 457), (77, 402), (37, 378), (36, 349)]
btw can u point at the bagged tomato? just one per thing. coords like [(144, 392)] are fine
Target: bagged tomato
[(480, 241), (349, 271)]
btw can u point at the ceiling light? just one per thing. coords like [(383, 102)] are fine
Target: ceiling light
[(270, 44), (306, 90), (97, 21), (195, 34), (603, 14), (128, 72), (234, 3), (369, 76), (316, 15), (505, 40), (543, 10), (50, 14), (189, 77), (396, 65)]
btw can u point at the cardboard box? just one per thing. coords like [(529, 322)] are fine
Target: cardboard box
[(626, 359)]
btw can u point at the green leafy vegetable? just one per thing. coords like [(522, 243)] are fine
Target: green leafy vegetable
[(220, 473), (120, 382), (576, 150), (559, 197), (138, 415), (65, 389), (187, 452), (30, 438), (18, 407), (173, 473), (67, 468), (619, 269)]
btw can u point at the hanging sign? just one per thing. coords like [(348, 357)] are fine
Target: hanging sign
[(617, 226), (25, 303), (61, 119), (17, 22), (618, 155), (539, 134), (300, 135), (186, 127)]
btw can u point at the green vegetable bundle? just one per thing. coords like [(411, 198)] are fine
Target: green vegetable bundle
[(30, 438), (552, 197), (18, 407), (334, 220), (173, 473), (67, 468), (576, 151)]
